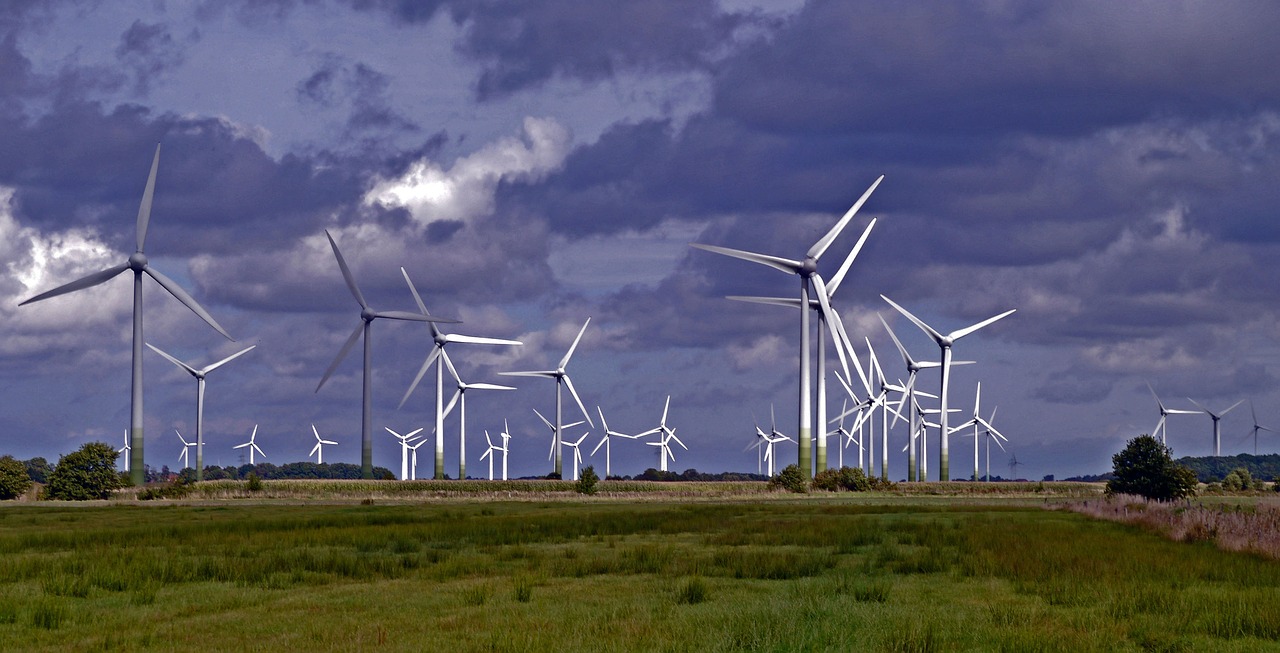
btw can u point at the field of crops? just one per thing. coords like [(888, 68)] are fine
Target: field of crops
[(711, 575)]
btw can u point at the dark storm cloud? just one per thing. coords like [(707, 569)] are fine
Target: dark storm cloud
[(364, 90), (523, 45), (148, 50)]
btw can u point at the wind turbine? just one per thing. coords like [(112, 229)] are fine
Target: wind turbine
[(577, 454), (138, 264), (555, 441), (404, 450), (253, 446), (367, 316), (199, 375), (826, 313), (506, 446), (185, 456), (775, 436), (666, 435), (1217, 426), (562, 380), (1162, 429), (913, 366), (488, 453), (976, 421), (1257, 427), (413, 459), (606, 441), (439, 341), (944, 343), (318, 450), (460, 398), (1013, 466), (807, 270), (125, 450)]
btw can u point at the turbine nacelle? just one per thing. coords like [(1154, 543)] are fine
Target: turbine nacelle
[(138, 261)]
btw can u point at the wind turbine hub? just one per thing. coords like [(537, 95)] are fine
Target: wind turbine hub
[(137, 261), (367, 315), (809, 268), (946, 342)]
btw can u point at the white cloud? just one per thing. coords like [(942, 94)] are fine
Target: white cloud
[(765, 350), (465, 190)]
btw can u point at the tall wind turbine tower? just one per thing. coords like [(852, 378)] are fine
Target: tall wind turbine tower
[(1217, 423), (562, 380), (138, 264), (944, 343), (807, 270), (367, 316)]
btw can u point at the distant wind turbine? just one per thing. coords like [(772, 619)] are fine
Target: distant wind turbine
[(367, 316), (979, 421), (252, 445), (404, 449), (562, 380), (439, 341), (944, 343), (185, 456), (606, 441), (1162, 428), (199, 375), (577, 455), (460, 399), (807, 270), (318, 450), (125, 450), (138, 264), (1217, 426), (1257, 427)]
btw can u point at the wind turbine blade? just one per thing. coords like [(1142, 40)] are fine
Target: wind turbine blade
[(848, 261), (775, 262), (546, 374), (1202, 408), (190, 302), (793, 302), (228, 359), (240, 446), (601, 443), (488, 386), (673, 437), (603, 424), (346, 272), (929, 331), (853, 354), (173, 360), (454, 400), (1233, 406), (568, 383), (342, 353), (414, 317), (313, 430), (544, 420), (422, 371), (259, 450), (956, 335), (314, 450), (665, 408), (821, 246), (79, 284), (569, 354), (906, 358), (144, 209), (477, 340), (449, 364), (1153, 396)]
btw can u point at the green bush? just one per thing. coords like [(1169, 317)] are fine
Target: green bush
[(87, 473), (1240, 480), (790, 479), (587, 481), (254, 483), (1145, 467), (848, 479), (14, 481)]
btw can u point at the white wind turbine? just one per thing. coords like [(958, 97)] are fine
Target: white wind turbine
[(1257, 427), (913, 366), (807, 270), (138, 264), (577, 454), (125, 450), (318, 450), (413, 458), (775, 436), (488, 453), (404, 449), (367, 316), (979, 421), (252, 444), (1217, 426), (562, 380), (199, 375), (826, 313), (555, 441), (1162, 429), (945, 343), (439, 341), (460, 399), (666, 435), (185, 456), (607, 442)]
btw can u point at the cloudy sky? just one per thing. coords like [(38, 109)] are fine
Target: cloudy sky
[(1108, 169)]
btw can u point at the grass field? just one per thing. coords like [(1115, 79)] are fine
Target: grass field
[(815, 574)]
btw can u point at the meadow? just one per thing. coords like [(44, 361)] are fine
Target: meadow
[(766, 574)]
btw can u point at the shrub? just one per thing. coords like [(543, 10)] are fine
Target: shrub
[(587, 481), (848, 479), (1145, 467), (254, 483), (790, 479), (87, 473), (14, 481), (694, 591), (1240, 480), (38, 469)]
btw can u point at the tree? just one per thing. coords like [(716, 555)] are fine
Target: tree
[(87, 473), (38, 469), (587, 480), (14, 481), (790, 479), (1145, 467)]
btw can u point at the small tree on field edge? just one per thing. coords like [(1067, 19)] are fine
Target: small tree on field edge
[(87, 473), (1145, 467), (14, 481), (587, 480)]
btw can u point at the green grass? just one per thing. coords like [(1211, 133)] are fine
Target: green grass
[(825, 574)]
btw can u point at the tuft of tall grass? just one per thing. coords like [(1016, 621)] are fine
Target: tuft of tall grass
[(693, 591)]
